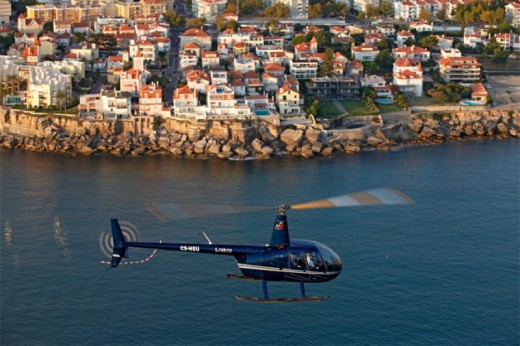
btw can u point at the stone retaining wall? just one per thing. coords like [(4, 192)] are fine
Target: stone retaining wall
[(231, 139)]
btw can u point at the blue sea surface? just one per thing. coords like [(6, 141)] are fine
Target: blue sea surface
[(443, 271)]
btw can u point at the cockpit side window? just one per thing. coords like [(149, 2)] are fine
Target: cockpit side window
[(297, 261), (314, 261)]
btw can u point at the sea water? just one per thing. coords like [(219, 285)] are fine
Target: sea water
[(443, 271)]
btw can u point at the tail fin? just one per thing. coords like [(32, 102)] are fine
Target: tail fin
[(120, 250), (280, 236)]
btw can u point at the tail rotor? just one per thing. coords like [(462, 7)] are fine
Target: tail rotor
[(114, 244)]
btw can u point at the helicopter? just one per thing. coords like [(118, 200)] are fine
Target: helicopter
[(283, 259)]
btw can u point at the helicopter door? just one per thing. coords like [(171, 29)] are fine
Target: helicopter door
[(297, 261), (313, 261)]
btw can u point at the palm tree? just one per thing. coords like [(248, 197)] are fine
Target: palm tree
[(61, 96), (3, 92)]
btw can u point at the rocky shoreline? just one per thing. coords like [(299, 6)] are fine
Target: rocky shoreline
[(243, 140)]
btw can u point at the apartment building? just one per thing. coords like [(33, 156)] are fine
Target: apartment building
[(130, 10), (47, 87), (107, 105), (460, 69), (208, 9), (334, 87), (303, 69), (513, 13)]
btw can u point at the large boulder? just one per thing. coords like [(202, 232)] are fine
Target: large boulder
[(292, 137), (257, 145), (313, 135), (241, 152), (199, 146)]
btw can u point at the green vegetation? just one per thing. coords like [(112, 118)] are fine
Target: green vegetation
[(327, 68), (449, 93), (196, 22), (174, 19), (277, 11), (423, 101), (391, 108), (357, 108), (328, 110)]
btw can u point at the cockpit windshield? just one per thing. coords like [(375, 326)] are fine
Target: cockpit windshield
[(330, 258)]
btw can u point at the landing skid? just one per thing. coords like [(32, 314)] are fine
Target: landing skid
[(240, 277), (282, 300), (266, 298)]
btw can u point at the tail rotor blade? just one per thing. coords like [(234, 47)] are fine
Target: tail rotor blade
[(381, 196)]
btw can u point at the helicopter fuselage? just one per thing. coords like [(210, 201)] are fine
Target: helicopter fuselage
[(302, 261)]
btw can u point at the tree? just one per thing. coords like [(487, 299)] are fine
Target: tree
[(61, 96), (48, 27), (78, 37), (361, 15), (370, 67), (385, 8), (385, 60), (231, 7), (368, 93), (3, 92), (425, 15), (315, 11), (409, 42), (250, 6), (196, 22), (174, 19), (330, 8), (441, 15), (278, 10), (314, 108), (299, 39), (428, 42), (327, 68), (372, 11), (499, 16)]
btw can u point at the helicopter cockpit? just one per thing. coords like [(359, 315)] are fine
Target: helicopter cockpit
[(317, 257)]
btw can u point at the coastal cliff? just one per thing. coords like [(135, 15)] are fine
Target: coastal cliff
[(240, 140)]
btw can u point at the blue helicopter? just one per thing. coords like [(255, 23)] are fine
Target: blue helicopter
[(283, 259)]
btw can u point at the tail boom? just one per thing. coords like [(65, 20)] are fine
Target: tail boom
[(120, 249)]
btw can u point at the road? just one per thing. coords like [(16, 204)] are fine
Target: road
[(172, 72)]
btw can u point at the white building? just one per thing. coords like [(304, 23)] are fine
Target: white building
[(364, 52), (298, 8), (408, 76), (208, 9), (108, 104), (75, 69), (361, 5), (513, 14), (48, 87), (413, 52), (303, 69)]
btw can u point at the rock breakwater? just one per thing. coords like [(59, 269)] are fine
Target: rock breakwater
[(240, 140)]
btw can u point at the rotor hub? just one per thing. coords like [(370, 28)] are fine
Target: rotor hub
[(282, 209)]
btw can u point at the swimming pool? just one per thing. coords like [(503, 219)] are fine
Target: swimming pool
[(384, 101), (472, 103), (260, 112)]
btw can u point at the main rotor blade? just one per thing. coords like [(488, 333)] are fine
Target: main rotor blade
[(174, 211), (381, 196)]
